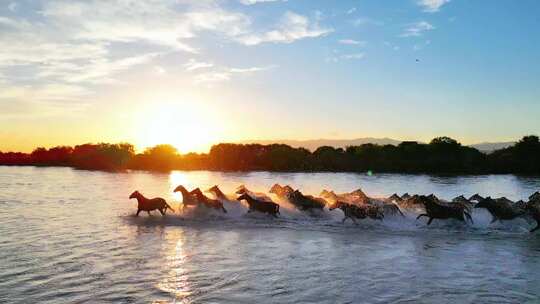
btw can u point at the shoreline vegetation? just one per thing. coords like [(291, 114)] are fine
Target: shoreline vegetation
[(443, 155)]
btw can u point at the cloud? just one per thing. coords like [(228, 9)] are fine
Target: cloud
[(226, 74), (13, 6), (351, 10), (83, 41), (211, 77), (250, 70), (353, 56), (336, 57), (292, 27), (193, 65), (251, 2), (432, 6), (366, 21), (417, 29), (352, 42)]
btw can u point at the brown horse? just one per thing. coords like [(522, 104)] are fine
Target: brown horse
[(208, 202), (260, 196), (188, 199), (354, 212), (281, 191), (218, 193), (150, 204)]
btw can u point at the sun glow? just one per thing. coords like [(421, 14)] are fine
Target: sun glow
[(187, 126)]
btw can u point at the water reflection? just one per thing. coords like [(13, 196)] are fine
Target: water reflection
[(177, 281)]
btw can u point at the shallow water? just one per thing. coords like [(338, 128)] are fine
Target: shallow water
[(69, 236)]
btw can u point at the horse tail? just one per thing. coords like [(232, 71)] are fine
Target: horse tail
[(168, 206)]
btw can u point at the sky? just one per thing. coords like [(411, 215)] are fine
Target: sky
[(196, 72)]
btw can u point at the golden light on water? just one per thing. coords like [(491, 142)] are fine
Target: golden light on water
[(177, 281)]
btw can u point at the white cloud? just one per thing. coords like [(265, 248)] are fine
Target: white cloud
[(351, 10), (77, 44), (226, 74), (292, 27), (417, 29), (432, 6), (251, 2), (336, 57), (193, 65), (12, 6), (352, 42), (250, 70), (159, 70), (211, 77), (353, 56), (366, 21)]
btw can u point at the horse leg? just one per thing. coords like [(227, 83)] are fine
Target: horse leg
[(150, 214), (223, 208), (162, 212), (430, 220), (343, 220), (138, 210), (423, 214), (493, 220)]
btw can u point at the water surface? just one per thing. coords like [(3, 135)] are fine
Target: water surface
[(69, 236)]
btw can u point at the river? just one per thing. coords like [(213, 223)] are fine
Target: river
[(70, 236)]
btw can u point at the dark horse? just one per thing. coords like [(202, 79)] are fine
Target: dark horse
[(208, 202), (357, 212), (501, 209), (150, 204), (436, 209), (259, 205)]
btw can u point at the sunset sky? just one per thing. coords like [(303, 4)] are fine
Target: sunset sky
[(196, 72)]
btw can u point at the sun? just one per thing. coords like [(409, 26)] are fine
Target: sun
[(187, 126)]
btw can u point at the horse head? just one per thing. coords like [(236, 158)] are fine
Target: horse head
[(276, 189), (214, 189), (241, 189), (135, 194), (180, 188)]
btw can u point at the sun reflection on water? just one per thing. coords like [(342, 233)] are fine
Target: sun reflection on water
[(177, 282), (178, 178)]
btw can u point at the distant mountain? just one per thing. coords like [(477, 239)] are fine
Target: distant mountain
[(488, 147), (313, 144)]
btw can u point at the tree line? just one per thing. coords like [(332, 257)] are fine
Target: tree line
[(443, 155)]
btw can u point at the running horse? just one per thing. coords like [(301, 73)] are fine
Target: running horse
[(208, 202), (150, 204), (188, 199)]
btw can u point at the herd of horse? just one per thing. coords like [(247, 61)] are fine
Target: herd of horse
[(356, 205)]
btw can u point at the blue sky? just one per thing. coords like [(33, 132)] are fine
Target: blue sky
[(79, 71)]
